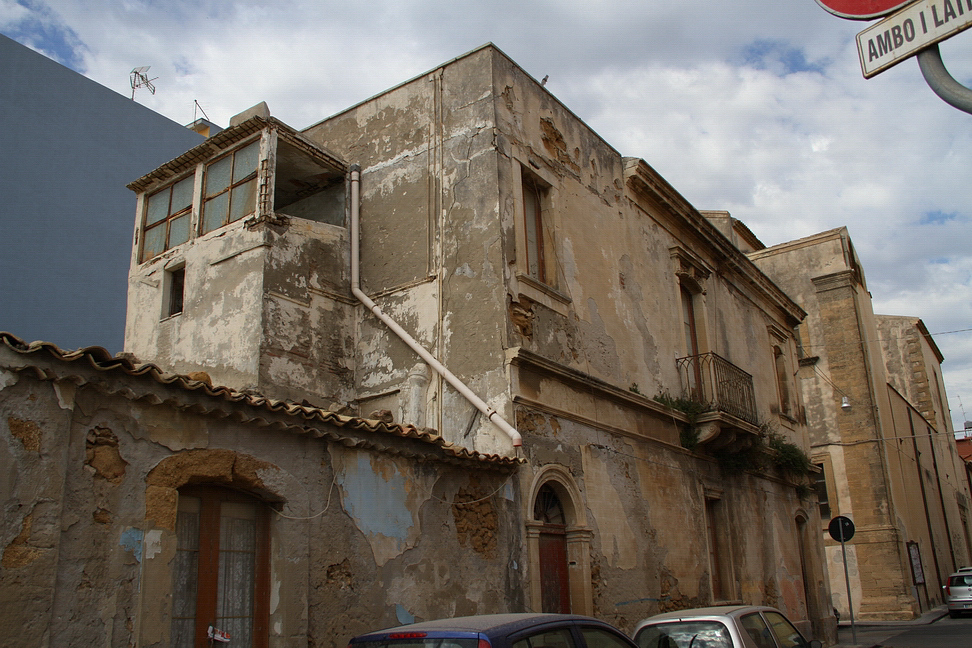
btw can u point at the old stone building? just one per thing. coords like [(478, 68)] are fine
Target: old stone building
[(587, 388), (116, 477), (880, 431)]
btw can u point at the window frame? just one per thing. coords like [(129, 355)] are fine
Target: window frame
[(165, 223), (174, 291), (534, 225), (206, 582), (233, 184)]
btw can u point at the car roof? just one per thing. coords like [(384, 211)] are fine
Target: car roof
[(492, 623), (706, 612)]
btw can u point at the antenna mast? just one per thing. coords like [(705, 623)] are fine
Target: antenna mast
[(140, 80)]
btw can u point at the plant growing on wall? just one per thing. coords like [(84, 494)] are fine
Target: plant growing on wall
[(770, 449), (687, 433)]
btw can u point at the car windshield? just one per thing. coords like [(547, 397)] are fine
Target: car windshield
[(415, 642), (685, 634), (960, 580)]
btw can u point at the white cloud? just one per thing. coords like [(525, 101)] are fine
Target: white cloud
[(752, 106)]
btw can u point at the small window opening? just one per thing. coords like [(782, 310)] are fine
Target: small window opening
[(534, 197), (175, 288)]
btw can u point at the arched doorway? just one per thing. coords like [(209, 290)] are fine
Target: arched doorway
[(554, 578), (558, 544)]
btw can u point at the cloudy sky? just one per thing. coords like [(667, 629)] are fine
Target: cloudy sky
[(753, 106)]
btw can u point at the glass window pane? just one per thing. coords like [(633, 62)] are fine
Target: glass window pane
[(756, 629), (245, 161), (182, 195), (218, 175), (185, 570), (244, 200), (237, 571), (154, 242), (787, 635), (601, 638), (214, 212), (158, 207), (178, 231), (559, 638), (683, 634)]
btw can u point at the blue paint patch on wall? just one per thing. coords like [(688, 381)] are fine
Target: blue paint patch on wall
[(404, 616), (131, 539), (377, 501)]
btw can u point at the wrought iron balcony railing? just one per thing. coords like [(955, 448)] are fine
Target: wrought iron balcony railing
[(714, 381)]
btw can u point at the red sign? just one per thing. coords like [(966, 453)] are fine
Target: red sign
[(862, 9)]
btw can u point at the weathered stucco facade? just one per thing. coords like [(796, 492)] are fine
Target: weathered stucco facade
[(880, 431), (366, 519), (645, 360)]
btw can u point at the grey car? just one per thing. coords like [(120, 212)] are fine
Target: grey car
[(729, 626), (958, 593)]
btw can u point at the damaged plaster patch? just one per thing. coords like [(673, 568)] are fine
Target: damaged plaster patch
[(18, 553), (131, 540), (27, 432), (65, 394), (153, 544), (101, 454), (7, 379), (476, 519), (381, 499)]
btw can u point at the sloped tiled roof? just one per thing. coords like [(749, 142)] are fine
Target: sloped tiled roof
[(297, 418)]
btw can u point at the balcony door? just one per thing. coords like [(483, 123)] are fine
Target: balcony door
[(691, 343)]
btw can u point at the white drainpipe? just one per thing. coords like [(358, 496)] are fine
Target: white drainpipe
[(490, 413)]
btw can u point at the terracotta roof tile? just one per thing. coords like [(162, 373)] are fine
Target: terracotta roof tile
[(304, 416)]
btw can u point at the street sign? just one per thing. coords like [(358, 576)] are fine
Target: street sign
[(841, 528), (861, 9), (910, 30)]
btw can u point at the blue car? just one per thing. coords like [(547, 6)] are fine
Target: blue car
[(500, 631)]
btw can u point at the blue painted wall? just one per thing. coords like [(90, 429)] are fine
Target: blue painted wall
[(68, 147)]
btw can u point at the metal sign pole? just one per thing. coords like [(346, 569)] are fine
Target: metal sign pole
[(850, 603)]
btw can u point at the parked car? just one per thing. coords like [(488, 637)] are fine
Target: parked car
[(500, 631), (958, 593), (730, 626)]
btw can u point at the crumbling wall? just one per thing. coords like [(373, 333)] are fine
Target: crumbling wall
[(358, 538)]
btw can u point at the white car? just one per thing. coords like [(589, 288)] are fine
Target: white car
[(729, 626), (958, 593)]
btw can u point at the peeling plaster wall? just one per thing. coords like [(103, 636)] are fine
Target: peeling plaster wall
[(89, 491), (307, 352), (220, 328), (645, 505), (431, 242)]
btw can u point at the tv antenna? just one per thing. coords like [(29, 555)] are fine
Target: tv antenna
[(196, 107), (140, 80)]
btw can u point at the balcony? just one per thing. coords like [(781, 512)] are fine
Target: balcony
[(728, 393)]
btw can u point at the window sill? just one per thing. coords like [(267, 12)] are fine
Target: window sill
[(542, 293)]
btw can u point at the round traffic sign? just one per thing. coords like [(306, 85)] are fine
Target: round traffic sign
[(841, 529), (862, 9)]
